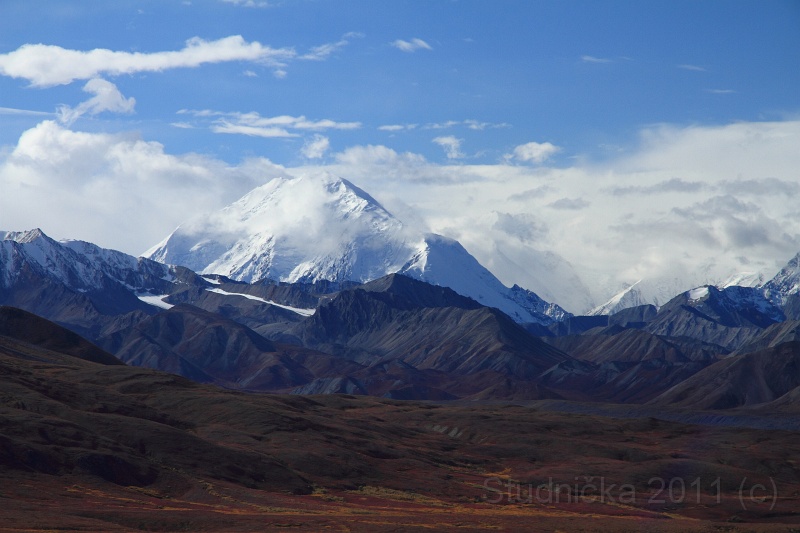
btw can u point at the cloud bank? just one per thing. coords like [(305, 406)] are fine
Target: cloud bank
[(704, 202)]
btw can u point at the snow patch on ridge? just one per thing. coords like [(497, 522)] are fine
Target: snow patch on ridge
[(299, 310), (697, 294), (156, 300)]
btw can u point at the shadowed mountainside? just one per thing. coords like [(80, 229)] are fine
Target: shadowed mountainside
[(743, 380)]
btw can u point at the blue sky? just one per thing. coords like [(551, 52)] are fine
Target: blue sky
[(576, 100), (582, 75)]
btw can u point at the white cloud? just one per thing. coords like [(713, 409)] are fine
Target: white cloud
[(48, 65), (694, 68), (316, 147), (24, 112), (469, 123), (371, 155), (593, 59), (720, 91), (254, 124), (224, 126), (397, 127), (647, 212), (477, 125), (106, 98), (411, 46), (323, 51), (451, 146), (533, 152), (116, 190), (247, 3)]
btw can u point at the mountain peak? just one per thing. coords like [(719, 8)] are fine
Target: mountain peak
[(419, 293), (24, 237), (318, 226), (785, 283), (305, 228)]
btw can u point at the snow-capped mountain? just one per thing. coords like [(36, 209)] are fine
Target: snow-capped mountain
[(442, 261), (785, 283), (743, 279), (79, 265), (80, 285), (654, 292), (659, 291), (321, 227), (305, 229), (728, 318), (738, 299)]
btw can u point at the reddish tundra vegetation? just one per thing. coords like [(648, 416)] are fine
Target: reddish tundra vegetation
[(88, 445)]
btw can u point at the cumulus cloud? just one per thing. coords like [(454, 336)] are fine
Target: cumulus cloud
[(451, 146), (116, 190), (411, 46), (722, 223), (533, 152), (316, 147), (106, 98), (372, 155)]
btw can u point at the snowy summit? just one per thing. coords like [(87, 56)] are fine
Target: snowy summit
[(321, 227)]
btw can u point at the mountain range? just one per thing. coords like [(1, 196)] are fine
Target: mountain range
[(394, 336)]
